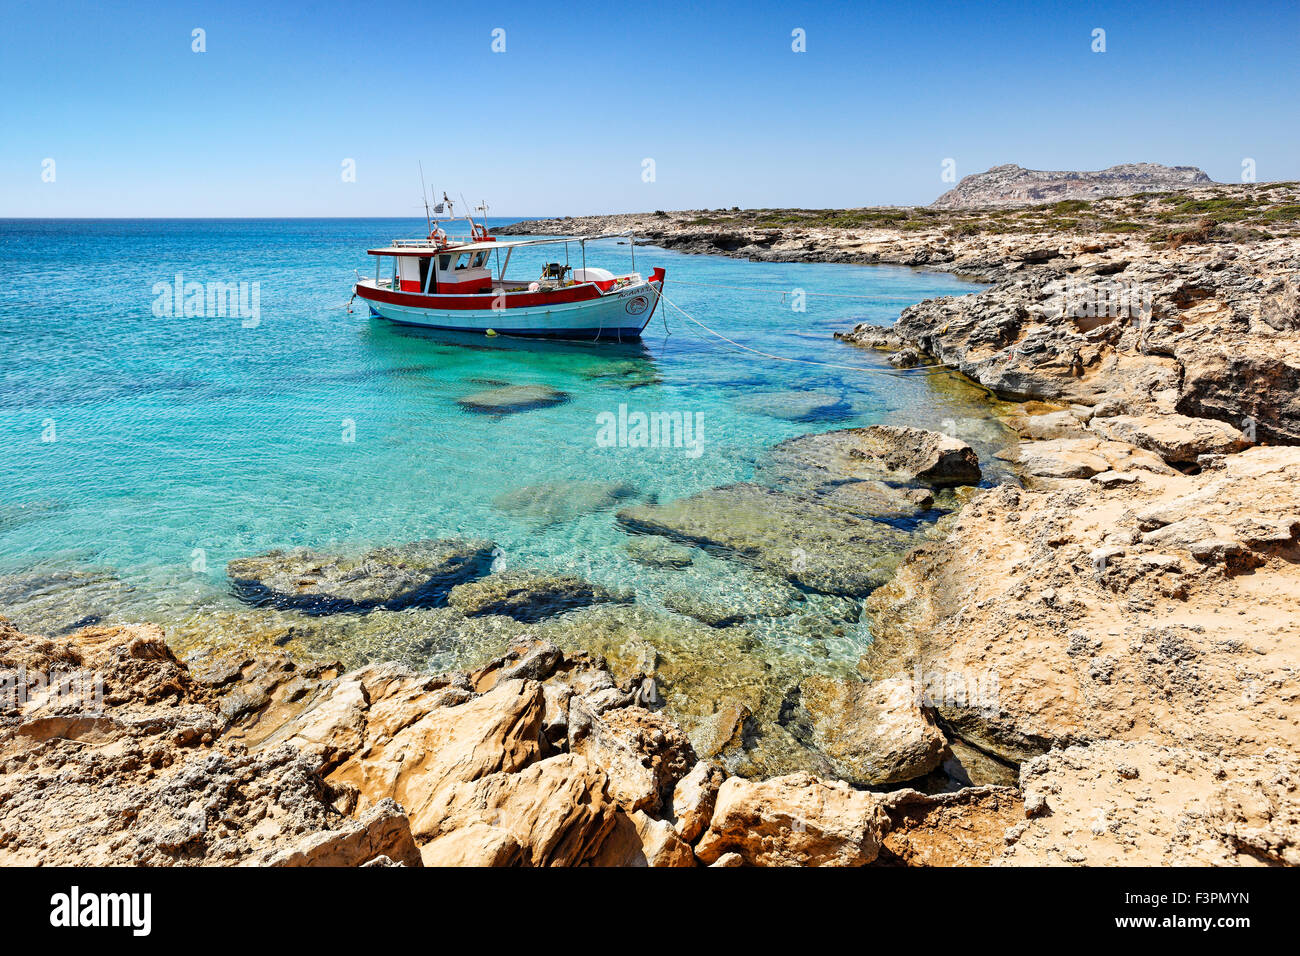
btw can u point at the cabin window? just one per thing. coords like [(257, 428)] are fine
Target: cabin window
[(444, 263), (462, 261), (479, 258)]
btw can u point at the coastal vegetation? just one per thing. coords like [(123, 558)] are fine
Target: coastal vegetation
[(1268, 208)]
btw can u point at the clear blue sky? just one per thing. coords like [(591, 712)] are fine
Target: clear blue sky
[(259, 125)]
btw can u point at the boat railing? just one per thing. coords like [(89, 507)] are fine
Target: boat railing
[(429, 244)]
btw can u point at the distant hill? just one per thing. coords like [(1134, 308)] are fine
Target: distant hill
[(1012, 185)]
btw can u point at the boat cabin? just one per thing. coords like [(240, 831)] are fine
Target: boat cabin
[(439, 266)]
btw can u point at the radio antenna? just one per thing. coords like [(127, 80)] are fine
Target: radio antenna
[(424, 195), (467, 215)]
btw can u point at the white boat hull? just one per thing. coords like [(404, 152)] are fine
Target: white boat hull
[(617, 315)]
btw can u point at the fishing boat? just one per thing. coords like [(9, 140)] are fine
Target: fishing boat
[(449, 283)]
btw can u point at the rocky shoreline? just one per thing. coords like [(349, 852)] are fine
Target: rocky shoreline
[(1125, 625), (1092, 663)]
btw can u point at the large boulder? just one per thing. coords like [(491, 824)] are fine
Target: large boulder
[(1177, 439), (1079, 458), (419, 573), (967, 827), (556, 810), (640, 840), (875, 734), (644, 753), (383, 833), (883, 451), (796, 820), (694, 799)]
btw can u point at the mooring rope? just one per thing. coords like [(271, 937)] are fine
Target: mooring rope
[(893, 373), (785, 292)]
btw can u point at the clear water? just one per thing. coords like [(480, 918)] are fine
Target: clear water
[(180, 443)]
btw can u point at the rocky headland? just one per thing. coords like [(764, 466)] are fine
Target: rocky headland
[(1012, 185), (1084, 651)]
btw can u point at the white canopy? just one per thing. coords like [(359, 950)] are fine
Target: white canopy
[(417, 248)]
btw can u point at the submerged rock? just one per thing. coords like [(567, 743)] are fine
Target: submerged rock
[(528, 595), (795, 406), (790, 536), (417, 637), (720, 601), (874, 734), (60, 602), (725, 689), (423, 638), (419, 573), (15, 515), (513, 398), (656, 552), (883, 451), (554, 502), (628, 374)]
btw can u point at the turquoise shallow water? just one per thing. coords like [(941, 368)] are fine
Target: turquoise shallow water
[(180, 443)]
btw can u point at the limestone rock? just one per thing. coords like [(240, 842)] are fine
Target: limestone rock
[(418, 743), (383, 833), (885, 451), (476, 844), (639, 840), (556, 809), (1115, 803), (875, 734), (1175, 438), (644, 754), (694, 799), (964, 828), (1086, 612), (795, 820), (122, 759), (1084, 457)]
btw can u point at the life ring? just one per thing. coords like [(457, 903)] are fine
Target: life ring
[(438, 237)]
